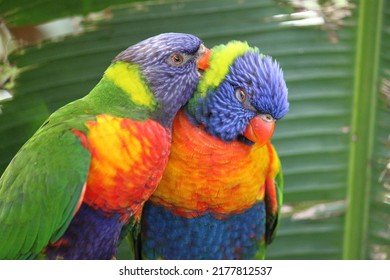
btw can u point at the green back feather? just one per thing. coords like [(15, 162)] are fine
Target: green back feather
[(41, 187)]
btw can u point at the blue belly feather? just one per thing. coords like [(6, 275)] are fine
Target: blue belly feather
[(168, 236), (92, 235)]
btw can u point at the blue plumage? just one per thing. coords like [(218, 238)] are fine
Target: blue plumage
[(231, 237), (224, 116), (96, 236), (154, 57)]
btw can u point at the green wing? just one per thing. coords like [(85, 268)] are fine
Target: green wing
[(273, 199), (129, 241), (40, 190)]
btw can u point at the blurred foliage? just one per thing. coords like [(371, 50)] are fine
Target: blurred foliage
[(314, 139), (22, 12)]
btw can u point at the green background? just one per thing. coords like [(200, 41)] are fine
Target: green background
[(334, 143)]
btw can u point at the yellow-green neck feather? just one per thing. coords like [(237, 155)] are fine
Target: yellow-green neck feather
[(222, 57), (127, 77)]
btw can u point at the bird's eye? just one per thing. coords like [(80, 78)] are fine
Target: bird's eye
[(267, 118), (240, 95), (177, 59)]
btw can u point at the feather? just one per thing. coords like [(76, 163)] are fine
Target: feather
[(218, 198)]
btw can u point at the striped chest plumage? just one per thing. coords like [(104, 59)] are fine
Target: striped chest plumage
[(128, 158)]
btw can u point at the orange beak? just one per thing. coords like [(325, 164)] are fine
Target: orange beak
[(259, 130), (203, 61)]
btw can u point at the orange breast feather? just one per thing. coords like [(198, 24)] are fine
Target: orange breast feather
[(205, 174), (128, 158)]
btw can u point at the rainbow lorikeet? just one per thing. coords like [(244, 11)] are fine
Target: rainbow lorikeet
[(221, 192), (89, 168)]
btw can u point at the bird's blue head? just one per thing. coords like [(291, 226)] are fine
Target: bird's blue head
[(241, 95), (168, 64)]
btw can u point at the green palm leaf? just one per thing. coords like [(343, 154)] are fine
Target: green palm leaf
[(336, 188)]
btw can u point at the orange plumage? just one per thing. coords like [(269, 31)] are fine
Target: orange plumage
[(218, 177), (124, 160)]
